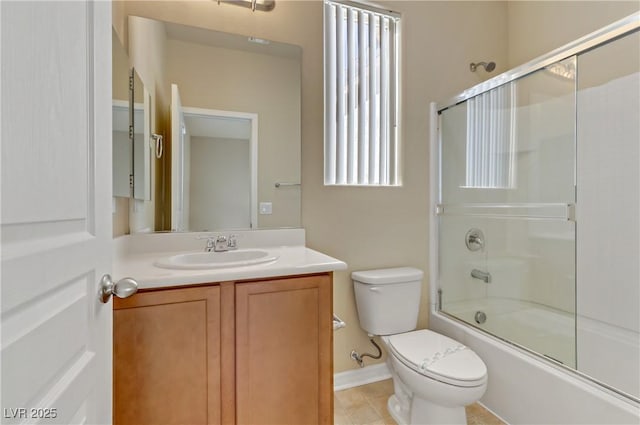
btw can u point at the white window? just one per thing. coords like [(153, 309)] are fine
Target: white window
[(361, 95)]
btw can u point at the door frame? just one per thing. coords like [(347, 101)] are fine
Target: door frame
[(253, 147)]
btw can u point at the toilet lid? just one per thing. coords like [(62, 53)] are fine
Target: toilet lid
[(439, 357)]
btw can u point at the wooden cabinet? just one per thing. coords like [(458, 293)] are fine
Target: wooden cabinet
[(255, 352), (167, 357), (284, 349)]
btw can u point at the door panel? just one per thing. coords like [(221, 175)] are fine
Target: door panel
[(40, 150), (56, 211)]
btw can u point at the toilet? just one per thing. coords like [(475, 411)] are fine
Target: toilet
[(434, 376)]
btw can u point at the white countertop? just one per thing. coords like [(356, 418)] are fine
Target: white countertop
[(134, 256)]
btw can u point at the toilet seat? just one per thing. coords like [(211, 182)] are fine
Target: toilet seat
[(438, 357)]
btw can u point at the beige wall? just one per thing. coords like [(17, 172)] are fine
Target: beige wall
[(537, 27), (383, 227), (147, 54), (120, 77), (118, 20), (386, 227)]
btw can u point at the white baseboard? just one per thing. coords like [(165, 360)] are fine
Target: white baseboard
[(362, 376)]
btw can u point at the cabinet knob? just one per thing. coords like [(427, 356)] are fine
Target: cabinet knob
[(122, 289)]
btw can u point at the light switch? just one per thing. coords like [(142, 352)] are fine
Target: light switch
[(265, 208)]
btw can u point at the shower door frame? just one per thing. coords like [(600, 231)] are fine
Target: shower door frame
[(603, 36)]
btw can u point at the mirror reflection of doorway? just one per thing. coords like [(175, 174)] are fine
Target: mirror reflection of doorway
[(215, 167), (220, 172)]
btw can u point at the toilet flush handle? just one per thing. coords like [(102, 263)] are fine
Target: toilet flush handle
[(374, 289)]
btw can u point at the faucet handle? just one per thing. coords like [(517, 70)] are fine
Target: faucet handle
[(474, 239), (232, 242), (210, 242), (210, 245)]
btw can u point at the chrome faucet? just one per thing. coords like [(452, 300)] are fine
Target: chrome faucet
[(221, 243), (479, 274)]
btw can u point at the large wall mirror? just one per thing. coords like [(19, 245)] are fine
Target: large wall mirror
[(232, 102)]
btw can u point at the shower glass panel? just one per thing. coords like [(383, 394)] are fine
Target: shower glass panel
[(514, 144), (530, 298), (608, 214), (508, 165), (539, 207)]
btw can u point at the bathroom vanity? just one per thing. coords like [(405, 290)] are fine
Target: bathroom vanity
[(244, 344)]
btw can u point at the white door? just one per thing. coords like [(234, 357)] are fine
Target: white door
[(56, 351), (179, 162)]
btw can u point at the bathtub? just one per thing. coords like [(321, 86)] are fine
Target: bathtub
[(548, 331), (525, 388)]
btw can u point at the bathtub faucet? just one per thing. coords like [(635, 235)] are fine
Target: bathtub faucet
[(479, 274)]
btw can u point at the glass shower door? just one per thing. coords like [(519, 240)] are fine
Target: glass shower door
[(608, 213), (506, 211)]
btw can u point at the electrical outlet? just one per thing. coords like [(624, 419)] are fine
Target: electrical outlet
[(266, 208)]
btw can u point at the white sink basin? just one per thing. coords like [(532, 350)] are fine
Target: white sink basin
[(216, 260)]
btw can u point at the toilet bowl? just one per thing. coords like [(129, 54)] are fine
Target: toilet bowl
[(434, 376), (439, 375)]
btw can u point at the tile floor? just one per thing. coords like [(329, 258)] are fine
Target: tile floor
[(367, 405)]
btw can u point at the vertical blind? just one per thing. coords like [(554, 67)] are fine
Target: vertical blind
[(361, 95), (491, 150)]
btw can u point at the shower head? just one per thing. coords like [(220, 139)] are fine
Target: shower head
[(487, 66)]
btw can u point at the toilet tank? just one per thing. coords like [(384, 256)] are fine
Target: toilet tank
[(388, 300)]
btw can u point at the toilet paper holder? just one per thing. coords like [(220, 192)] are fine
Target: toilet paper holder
[(338, 323)]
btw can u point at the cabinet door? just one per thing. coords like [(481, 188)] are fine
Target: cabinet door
[(284, 349), (167, 357)]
